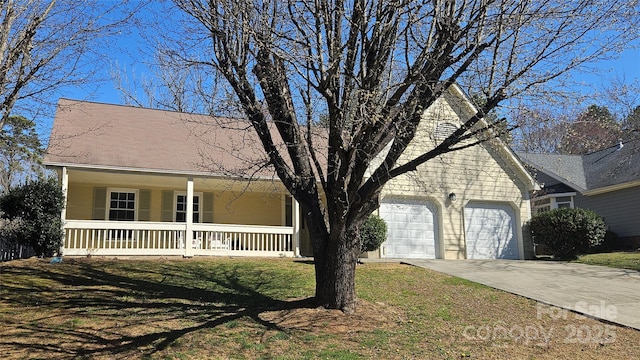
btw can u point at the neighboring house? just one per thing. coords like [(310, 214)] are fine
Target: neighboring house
[(606, 181), (141, 181)]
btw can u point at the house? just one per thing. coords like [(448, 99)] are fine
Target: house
[(152, 182), (606, 181)]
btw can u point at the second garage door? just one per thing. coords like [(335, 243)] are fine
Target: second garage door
[(490, 231), (411, 229)]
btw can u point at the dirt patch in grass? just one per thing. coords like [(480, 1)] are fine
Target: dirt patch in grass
[(369, 315)]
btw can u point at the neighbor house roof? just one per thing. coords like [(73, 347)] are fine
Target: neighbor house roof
[(609, 168), (94, 135), (568, 169)]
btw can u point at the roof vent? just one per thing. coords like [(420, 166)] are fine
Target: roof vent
[(444, 130), (620, 145)]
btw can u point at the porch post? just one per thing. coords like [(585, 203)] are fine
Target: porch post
[(64, 182), (295, 223), (188, 236)]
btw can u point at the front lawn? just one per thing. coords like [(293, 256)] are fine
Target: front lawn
[(222, 308), (621, 260)]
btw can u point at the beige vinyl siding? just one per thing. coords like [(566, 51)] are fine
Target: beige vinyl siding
[(479, 173), (248, 208), (80, 201)]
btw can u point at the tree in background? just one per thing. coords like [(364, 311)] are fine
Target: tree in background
[(538, 130), (374, 67), (20, 151), (631, 123), (557, 129), (594, 129)]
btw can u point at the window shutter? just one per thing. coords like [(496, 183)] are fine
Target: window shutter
[(207, 208), (167, 206), (99, 203), (144, 205)]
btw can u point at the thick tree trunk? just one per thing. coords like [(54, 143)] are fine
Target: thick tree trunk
[(335, 261)]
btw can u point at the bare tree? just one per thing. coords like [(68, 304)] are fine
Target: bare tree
[(538, 130), (45, 46), (372, 67), (171, 86)]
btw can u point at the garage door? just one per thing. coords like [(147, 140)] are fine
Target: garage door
[(490, 231), (411, 229)]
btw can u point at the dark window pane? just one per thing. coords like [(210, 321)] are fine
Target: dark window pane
[(114, 196), (180, 207), (122, 204), (196, 217), (114, 204), (181, 217), (288, 211), (130, 205), (129, 215), (131, 196), (196, 199), (122, 196)]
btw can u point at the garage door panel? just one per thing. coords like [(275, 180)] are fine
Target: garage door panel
[(411, 229), (490, 231)]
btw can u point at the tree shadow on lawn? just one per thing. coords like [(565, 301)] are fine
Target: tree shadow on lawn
[(120, 314)]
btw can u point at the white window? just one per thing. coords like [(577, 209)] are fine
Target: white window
[(564, 202), (181, 207), (122, 205)]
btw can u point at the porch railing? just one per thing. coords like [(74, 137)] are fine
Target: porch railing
[(159, 238)]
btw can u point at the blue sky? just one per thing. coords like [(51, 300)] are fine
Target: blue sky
[(627, 66), (130, 59)]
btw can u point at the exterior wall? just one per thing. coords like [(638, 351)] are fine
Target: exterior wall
[(248, 209), (228, 207), (80, 201), (478, 173), (619, 208)]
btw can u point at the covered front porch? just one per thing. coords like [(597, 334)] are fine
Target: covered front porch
[(121, 212)]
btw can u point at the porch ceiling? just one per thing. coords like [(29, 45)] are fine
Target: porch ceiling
[(142, 180)]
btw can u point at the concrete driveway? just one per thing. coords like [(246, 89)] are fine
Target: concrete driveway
[(600, 292)]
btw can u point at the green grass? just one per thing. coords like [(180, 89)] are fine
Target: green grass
[(214, 309), (620, 260)]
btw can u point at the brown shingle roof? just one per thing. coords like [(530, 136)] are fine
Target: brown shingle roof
[(98, 135)]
